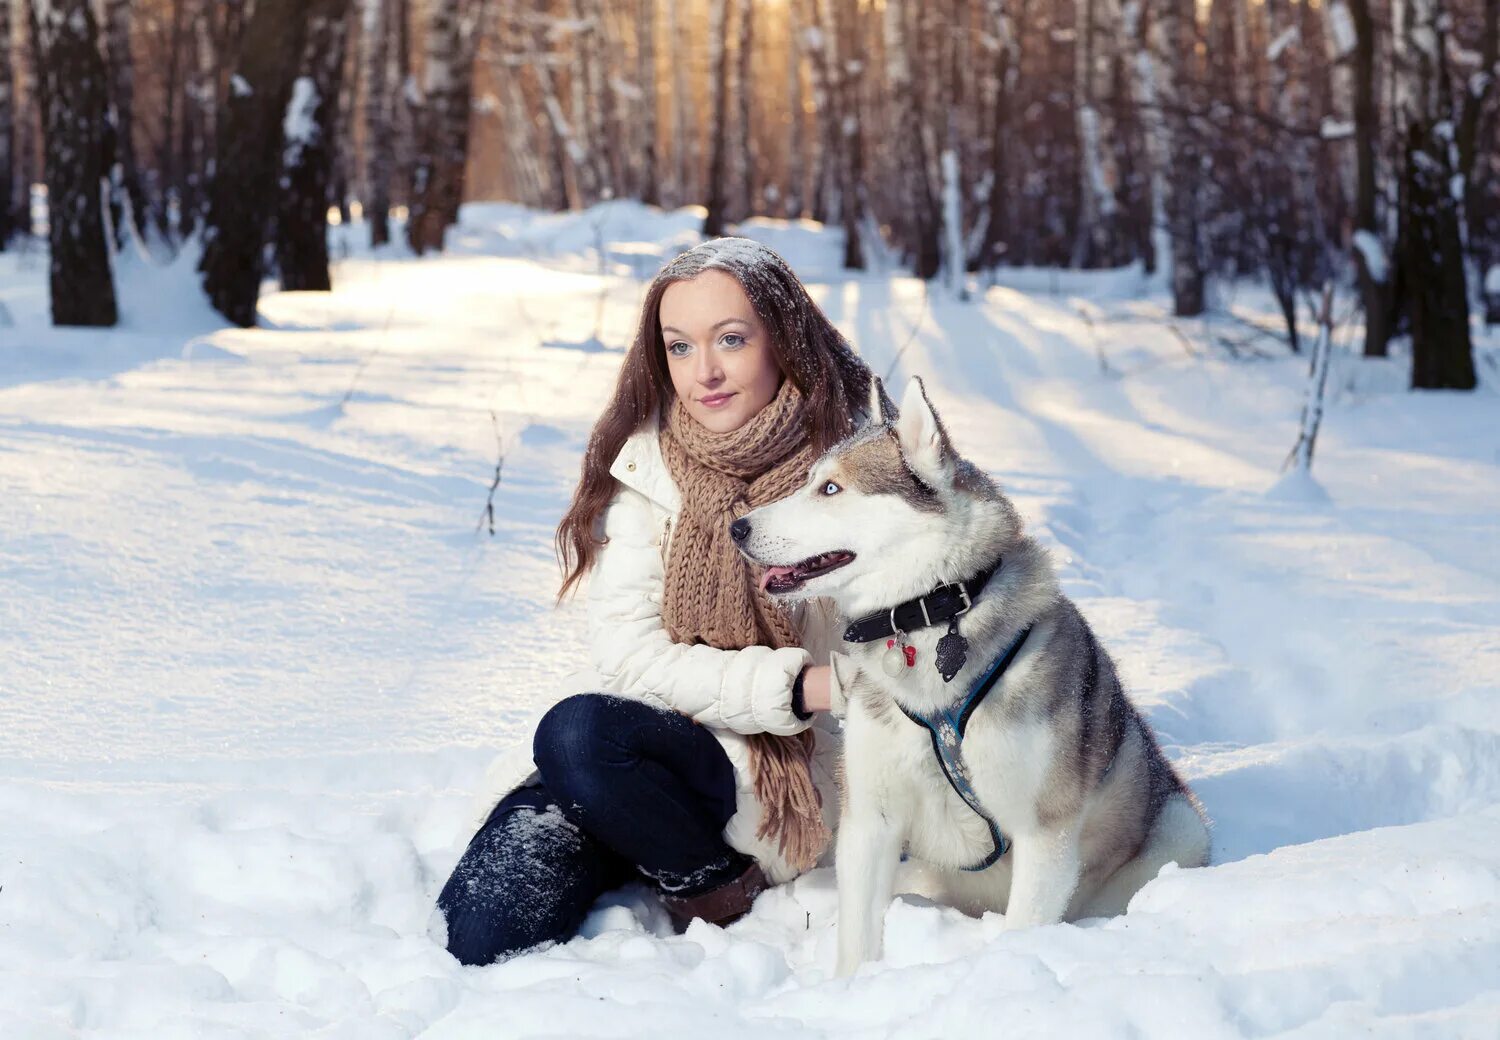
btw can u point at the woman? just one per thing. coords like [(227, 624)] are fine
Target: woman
[(700, 757)]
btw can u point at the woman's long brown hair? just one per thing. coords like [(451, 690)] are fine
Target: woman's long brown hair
[(834, 380)]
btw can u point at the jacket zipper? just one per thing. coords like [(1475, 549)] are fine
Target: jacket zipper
[(666, 541)]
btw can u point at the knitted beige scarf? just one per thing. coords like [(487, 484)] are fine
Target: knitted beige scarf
[(712, 595)]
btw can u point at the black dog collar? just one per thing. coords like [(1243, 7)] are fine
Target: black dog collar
[(944, 602)]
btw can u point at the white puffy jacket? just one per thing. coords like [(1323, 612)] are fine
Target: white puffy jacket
[(733, 692)]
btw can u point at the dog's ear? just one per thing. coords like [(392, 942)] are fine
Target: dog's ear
[(876, 407), (921, 434)]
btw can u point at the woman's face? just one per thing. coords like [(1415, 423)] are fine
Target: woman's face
[(718, 353)]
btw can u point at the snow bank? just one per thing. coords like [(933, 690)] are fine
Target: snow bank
[(258, 652)]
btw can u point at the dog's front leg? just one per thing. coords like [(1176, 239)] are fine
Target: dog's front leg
[(869, 848), (1044, 873)]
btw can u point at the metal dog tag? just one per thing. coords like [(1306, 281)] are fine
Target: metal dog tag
[(952, 651)]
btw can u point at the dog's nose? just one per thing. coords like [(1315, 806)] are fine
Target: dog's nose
[(739, 530)]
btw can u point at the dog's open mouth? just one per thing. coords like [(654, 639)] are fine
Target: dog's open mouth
[(778, 580)]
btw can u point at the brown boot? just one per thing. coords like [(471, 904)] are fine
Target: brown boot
[(729, 902)]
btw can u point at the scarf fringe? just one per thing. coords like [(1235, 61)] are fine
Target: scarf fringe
[(791, 806)]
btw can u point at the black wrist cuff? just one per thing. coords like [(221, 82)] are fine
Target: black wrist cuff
[(797, 707)]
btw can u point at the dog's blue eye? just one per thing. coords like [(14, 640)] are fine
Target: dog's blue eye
[(831, 488)]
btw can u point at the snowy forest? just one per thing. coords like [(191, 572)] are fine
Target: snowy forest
[(1293, 141), (311, 314)]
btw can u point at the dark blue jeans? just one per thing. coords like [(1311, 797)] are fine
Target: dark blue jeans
[(625, 790)]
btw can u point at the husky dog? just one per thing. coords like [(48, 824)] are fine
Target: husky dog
[(1006, 759)]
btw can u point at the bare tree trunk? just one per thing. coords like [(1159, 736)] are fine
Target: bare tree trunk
[(8, 206), (682, 114), (1285, 173), (127, 175), (453, 38), (650, 116), (581, 97), (242, 196), (217, 31), (917, 214), (792, 196), (351, 89), (167, 170), (1006, 78), (1096, 29), (197, 144), (1431, 246), (745, 183), (28, 135), (72, 89), (1159, 48), (379, 143), (619, 130), (526, 146), (852, 207), (567, 152), (825, 153), (718, 70), (403, 105), (1370, 259), (311, 133), (955, 258), (1472, 145)]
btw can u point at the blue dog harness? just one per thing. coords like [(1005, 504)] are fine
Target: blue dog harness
[(946, 727)]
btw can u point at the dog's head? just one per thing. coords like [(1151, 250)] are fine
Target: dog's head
[(886, 514)]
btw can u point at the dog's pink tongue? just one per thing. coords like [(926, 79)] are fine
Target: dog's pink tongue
[(765, 579)]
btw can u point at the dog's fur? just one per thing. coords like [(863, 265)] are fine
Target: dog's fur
[(1058, 755)]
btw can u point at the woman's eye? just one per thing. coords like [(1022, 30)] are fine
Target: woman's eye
[(831, 488), (672, 349), (736, 337)]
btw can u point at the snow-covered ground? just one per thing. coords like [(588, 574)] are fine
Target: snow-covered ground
[(256, 649)]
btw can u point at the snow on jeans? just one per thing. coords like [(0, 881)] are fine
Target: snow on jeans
[(624, 788)]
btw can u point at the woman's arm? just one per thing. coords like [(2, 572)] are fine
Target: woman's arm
[(747, 690)]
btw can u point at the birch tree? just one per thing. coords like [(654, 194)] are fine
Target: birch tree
[(1159, 47), (1283, 161), (379, 94), (73, 94), (126, 174), (168, 173), (1095, 34), (916, 212), (1474, 116), (310, 132), (583, 101), (247, 164), (955, 256)]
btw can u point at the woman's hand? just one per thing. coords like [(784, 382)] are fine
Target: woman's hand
[(815, 692)]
